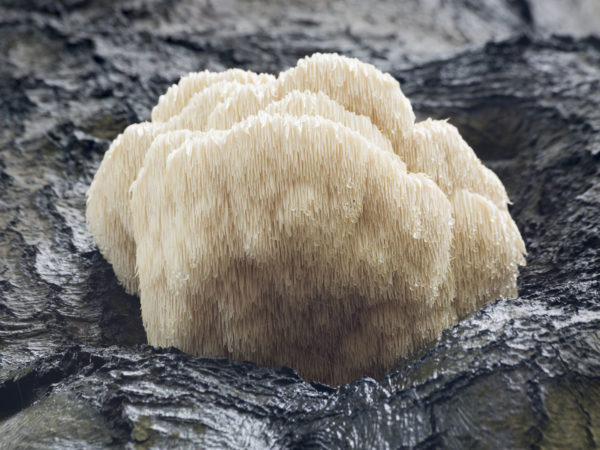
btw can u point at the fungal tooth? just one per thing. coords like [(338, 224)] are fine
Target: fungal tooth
[(311, 196)]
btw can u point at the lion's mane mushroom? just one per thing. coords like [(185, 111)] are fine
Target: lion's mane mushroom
[(303, 220)]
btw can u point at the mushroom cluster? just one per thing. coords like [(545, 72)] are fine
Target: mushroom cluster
[(301, 220)]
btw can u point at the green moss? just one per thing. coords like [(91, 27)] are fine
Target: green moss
[(142, 431), (573, 414), (199, 428), (107, 126)]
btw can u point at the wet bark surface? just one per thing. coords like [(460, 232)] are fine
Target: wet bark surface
[(74, 367)]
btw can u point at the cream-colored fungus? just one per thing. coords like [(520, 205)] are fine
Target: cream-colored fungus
[(436, 148), (302, 220), (303, 233), (178, 96), (108, 198), (359, 87)]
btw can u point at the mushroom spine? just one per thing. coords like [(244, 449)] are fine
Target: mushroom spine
[(304, 219)]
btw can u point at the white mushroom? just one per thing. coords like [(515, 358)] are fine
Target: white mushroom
[(178, 95), (301, 220), (268, 240)]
